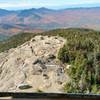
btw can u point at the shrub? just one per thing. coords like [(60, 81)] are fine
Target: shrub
[(63, 55), (82, 50)]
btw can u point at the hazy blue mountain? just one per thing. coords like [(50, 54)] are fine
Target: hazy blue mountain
[(46, 19)]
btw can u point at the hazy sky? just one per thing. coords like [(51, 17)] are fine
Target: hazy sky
[(55, 4)]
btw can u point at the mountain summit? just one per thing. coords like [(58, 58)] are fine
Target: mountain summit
[(47, 19)]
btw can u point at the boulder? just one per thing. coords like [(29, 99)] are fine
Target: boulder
[(24, 86)]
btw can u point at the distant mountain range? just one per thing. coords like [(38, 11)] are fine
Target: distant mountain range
[(38, 20)]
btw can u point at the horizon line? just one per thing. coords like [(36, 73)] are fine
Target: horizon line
[(50, 8)]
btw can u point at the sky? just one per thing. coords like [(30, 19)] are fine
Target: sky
[(53, 4)]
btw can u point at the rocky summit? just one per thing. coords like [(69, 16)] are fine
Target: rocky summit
[(33, 66)]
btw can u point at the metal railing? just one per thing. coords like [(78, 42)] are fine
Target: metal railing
[(49, 96)]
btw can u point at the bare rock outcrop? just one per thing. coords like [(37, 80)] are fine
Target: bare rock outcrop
[(33, 66)]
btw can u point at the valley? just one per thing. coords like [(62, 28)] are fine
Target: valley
[(44, 19)]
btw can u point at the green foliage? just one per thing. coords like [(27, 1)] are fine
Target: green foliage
[(82, 51), (63, 55), (15, 41), (71, 87)]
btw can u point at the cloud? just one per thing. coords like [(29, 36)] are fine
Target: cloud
[(77, 2), (14, 5), (44, 3)]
